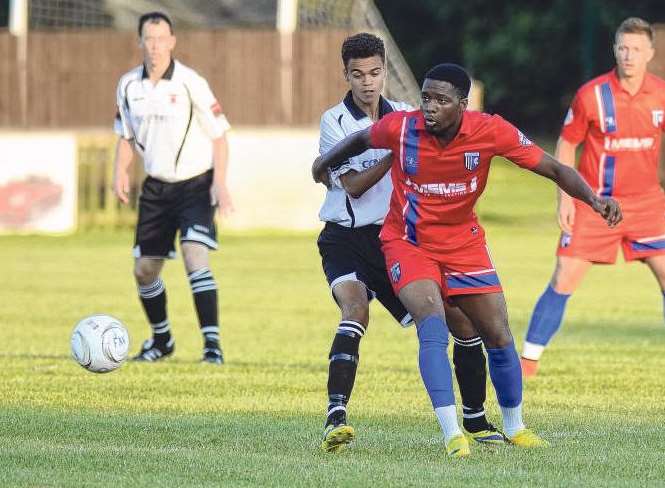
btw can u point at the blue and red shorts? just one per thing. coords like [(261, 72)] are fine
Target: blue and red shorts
[(462, 267), (640, 234)]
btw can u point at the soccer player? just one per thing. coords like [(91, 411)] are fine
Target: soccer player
[(618, 117), (433, 243), (167, 113), (353, 211)]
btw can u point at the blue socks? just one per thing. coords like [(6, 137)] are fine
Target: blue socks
[(433, 361), (506, 374), (547, 316)]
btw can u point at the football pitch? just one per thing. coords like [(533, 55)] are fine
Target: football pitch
[(257, 420)]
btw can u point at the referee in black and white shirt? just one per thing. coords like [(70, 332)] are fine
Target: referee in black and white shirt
[(169, 116)]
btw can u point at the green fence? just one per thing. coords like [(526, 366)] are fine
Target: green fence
[(97, 205)]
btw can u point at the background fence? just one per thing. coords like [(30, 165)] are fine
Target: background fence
[(72, 76)]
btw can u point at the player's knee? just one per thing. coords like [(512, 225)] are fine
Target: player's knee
[(356, 310), (144, 274), (497, 337)]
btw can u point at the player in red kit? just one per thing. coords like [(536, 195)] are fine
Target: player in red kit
[(433, 244), (618, 117)]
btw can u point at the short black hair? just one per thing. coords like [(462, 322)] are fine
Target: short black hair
[(362, 45), (155, 18), (453, 74)]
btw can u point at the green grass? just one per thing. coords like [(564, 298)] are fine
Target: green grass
[(257, 420)]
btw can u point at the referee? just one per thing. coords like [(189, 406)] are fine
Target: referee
[(169, 116)]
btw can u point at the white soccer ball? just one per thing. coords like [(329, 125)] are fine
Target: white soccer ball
[(100, 343)]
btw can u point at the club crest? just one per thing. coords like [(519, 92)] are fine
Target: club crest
[(471, 160), (395, 272), (657, 117)]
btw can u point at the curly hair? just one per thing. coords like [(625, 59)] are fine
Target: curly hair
[(362, 45)]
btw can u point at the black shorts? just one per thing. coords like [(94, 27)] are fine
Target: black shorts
[(165, 208), (355, 255)]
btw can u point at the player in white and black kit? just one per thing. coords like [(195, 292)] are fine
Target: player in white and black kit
[(356, 203), (169, 116)]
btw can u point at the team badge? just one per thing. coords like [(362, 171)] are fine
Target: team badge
[(565, 240), (471, 160), (524, 140), (395, 272), (657, 117), (173, 98)]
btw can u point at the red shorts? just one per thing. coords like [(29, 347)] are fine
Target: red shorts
[(641, 233), (463, 267)]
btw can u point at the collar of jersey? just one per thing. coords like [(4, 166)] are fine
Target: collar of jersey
[(168, 74), (358, 114)]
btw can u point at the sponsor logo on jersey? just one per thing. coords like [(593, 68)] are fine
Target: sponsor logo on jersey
[(524, 140), (395, 272), (569, 117), (445, 189), (628, 143), (657, 117), (471, 160)]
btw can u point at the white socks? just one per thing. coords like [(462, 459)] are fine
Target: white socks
[(448, 420), (512, 420)]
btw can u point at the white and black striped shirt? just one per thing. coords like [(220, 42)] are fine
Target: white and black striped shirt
[(336, 123), (171, 123)]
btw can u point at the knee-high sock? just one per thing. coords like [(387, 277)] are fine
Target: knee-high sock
[(471, 373), (435, 372), (506, 374), (153, 299), (545, 322), (204, 290), (344, 359)]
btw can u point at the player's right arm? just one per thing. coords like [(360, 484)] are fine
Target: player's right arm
[(124, 151), (356, 183), (565, 154), (352, 145), (573, 132)]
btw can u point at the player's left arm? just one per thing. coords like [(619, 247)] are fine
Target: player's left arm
[(570, 181), (209, 114)]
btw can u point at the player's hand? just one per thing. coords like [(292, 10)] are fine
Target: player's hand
[(221, 198), (121, 186), (566, 213), (320, 175), (609, 209)]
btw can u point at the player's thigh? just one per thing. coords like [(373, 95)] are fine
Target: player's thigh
[(657, 266), (195, 255), (147, 270), (156, 227), (489, 316), (568, 274), (644, 239), (459, 324), (195, 214)]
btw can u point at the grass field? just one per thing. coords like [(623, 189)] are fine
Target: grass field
[(257, 421)]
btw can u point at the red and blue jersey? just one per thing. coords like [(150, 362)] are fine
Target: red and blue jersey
[(436, 186), (621, 134)]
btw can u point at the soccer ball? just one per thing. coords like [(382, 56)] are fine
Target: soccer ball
[(100, 343)]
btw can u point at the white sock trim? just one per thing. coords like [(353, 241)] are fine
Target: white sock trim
[(447, 417), (512, 419), (532, 351)]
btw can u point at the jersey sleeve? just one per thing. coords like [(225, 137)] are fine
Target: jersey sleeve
[(207, 109), (512, 144), (385, 133), (576, 123), (332, 133), (122, 125)]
